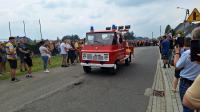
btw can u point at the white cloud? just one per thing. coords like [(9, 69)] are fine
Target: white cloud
[(61, 17)]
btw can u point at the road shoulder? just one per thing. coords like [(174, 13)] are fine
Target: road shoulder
[(16, 95)]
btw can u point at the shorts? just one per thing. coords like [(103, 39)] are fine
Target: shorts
[(64, 55), (13, 64), (4, 59), (165, 56), (28, 62), (21, 59)]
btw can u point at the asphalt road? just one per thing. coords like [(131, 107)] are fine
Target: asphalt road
[(101, 92)]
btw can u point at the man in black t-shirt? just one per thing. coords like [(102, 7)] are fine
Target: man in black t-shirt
[(28, 61), (21, 52)]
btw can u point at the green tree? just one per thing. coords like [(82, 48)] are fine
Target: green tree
[(168, 29), (71, 37), (181, 33), (173, 32), (58, 39), (129, 36)]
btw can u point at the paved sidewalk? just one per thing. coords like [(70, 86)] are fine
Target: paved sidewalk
[(15, 95), (162, 98)]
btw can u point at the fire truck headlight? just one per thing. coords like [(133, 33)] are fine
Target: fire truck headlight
[(84, 56), (106, 57)]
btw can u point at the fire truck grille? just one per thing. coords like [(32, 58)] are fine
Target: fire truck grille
[(89, 56), (96, 56)]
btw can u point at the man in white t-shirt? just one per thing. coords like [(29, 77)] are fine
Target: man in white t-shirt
[(63, 52), (68, 45)]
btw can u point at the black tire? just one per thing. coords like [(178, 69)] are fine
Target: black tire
[(87, 69), (130, 58), (104, 68), (127, 62), (115, 69)]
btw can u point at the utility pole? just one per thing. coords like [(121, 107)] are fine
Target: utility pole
[(10, 29), (160, 30), (24, 28), (40, 29), (152, 35)]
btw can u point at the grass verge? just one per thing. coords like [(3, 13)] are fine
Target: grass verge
[(37, 66)]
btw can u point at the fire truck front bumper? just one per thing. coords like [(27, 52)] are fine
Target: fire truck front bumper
[(98, 65)]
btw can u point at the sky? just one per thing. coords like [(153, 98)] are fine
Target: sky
[(66, 17)]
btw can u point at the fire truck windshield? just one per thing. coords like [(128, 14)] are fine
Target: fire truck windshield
[(99, 39)]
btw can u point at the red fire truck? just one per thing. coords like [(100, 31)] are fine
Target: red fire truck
[(105, 49)]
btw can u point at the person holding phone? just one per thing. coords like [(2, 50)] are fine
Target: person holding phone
[(195, 50), (177, 71), (190, 70), (192, 96), (44, 54)]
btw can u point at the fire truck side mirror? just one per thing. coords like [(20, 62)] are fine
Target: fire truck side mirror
[(114, 27)]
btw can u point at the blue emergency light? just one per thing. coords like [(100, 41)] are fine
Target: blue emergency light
[(91, 28), (114, 27)]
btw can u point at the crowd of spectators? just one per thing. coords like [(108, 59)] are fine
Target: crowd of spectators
[(19, 53), (176, 51), (142, 43)]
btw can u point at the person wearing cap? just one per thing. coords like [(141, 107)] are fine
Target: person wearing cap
[(12, 57)]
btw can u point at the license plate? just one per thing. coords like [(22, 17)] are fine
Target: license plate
[(100, 58)]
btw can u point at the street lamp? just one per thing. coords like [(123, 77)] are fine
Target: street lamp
[(187, 12)]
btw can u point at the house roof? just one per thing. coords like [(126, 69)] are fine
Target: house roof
[(187, 27)]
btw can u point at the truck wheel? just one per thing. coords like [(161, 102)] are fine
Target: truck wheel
[(130, 58), (104, 68), (87, 69), (115, 69), (127, 61)]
